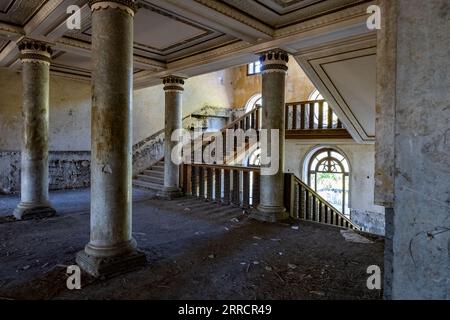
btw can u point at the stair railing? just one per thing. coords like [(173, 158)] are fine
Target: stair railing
[(304, 203), (311, 115), (229, 185)]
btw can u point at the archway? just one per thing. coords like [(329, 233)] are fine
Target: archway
[(328, 173)]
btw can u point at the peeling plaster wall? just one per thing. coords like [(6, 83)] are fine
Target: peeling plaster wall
[(362, 163), (199, 92), (70, 122), (298, 85), (67, 170)]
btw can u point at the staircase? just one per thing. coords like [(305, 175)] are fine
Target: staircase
[(152, 178)]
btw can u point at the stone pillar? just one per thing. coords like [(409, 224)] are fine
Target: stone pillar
[(111, 249), (35, 57), (173, 87), (274, 68), (413, 172)]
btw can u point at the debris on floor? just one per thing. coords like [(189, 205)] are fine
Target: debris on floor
[(352, 236)]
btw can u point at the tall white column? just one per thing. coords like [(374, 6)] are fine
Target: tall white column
[(111, 249), (35, 57), (173, 87), (274, 69)]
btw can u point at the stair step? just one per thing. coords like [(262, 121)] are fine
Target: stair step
[(147, 185), (152, 179), (157, 168), (154, 173)]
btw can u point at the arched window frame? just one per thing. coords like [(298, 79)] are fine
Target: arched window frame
[(254, 101), (309, 161)]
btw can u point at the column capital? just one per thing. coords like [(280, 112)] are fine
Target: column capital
[(274, 60), (173, 83), (34, 51), (128, 6)]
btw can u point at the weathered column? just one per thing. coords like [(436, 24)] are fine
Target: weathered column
[(111, 249), (413, 147), (173, 87), (274, 69), (35, 57)]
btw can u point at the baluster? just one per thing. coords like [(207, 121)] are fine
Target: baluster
[(294, 117), (311, 116), (302, 116), (339, 124), (327, 220), (314, 208), (201, 182), (307, 206), (209, 184), (246, 190), (255, 191), (321, 218), (286, 117), (235, 197), (226, 186), (296, 200), (253, 123), (330, 117), (258, 118), (301, 201), (187, 171), (320, 122), (218, 187), (194, 181)]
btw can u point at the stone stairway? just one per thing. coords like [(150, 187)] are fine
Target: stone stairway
[(200, 207), (152, 178)]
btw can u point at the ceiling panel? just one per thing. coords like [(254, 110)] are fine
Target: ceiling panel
[(355, 79), (19, 12), (280, 13)]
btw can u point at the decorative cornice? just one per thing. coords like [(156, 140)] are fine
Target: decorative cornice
[(275, 60), (129, 6), (34, 51), (173, 84)]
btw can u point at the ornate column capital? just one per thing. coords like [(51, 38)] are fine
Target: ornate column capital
[(34, 51), (274, 61), (128, 6), (173, 84)]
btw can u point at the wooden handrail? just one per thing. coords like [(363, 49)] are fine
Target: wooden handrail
[(238, 120), (224, 166)]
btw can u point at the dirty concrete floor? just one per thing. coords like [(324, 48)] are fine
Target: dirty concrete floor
[(195, 250)]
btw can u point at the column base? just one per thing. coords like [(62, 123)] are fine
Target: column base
[(108, 267), (269, 214), (27, 211), (170, 193)]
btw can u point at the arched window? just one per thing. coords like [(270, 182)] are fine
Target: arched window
[(255, 158), (255, 100), (328, 175), (315, 96)]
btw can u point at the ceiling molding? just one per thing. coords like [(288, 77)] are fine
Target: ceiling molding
[(237, 15), (314, 60)]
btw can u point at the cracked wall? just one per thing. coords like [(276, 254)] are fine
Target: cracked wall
[(417, 102)]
